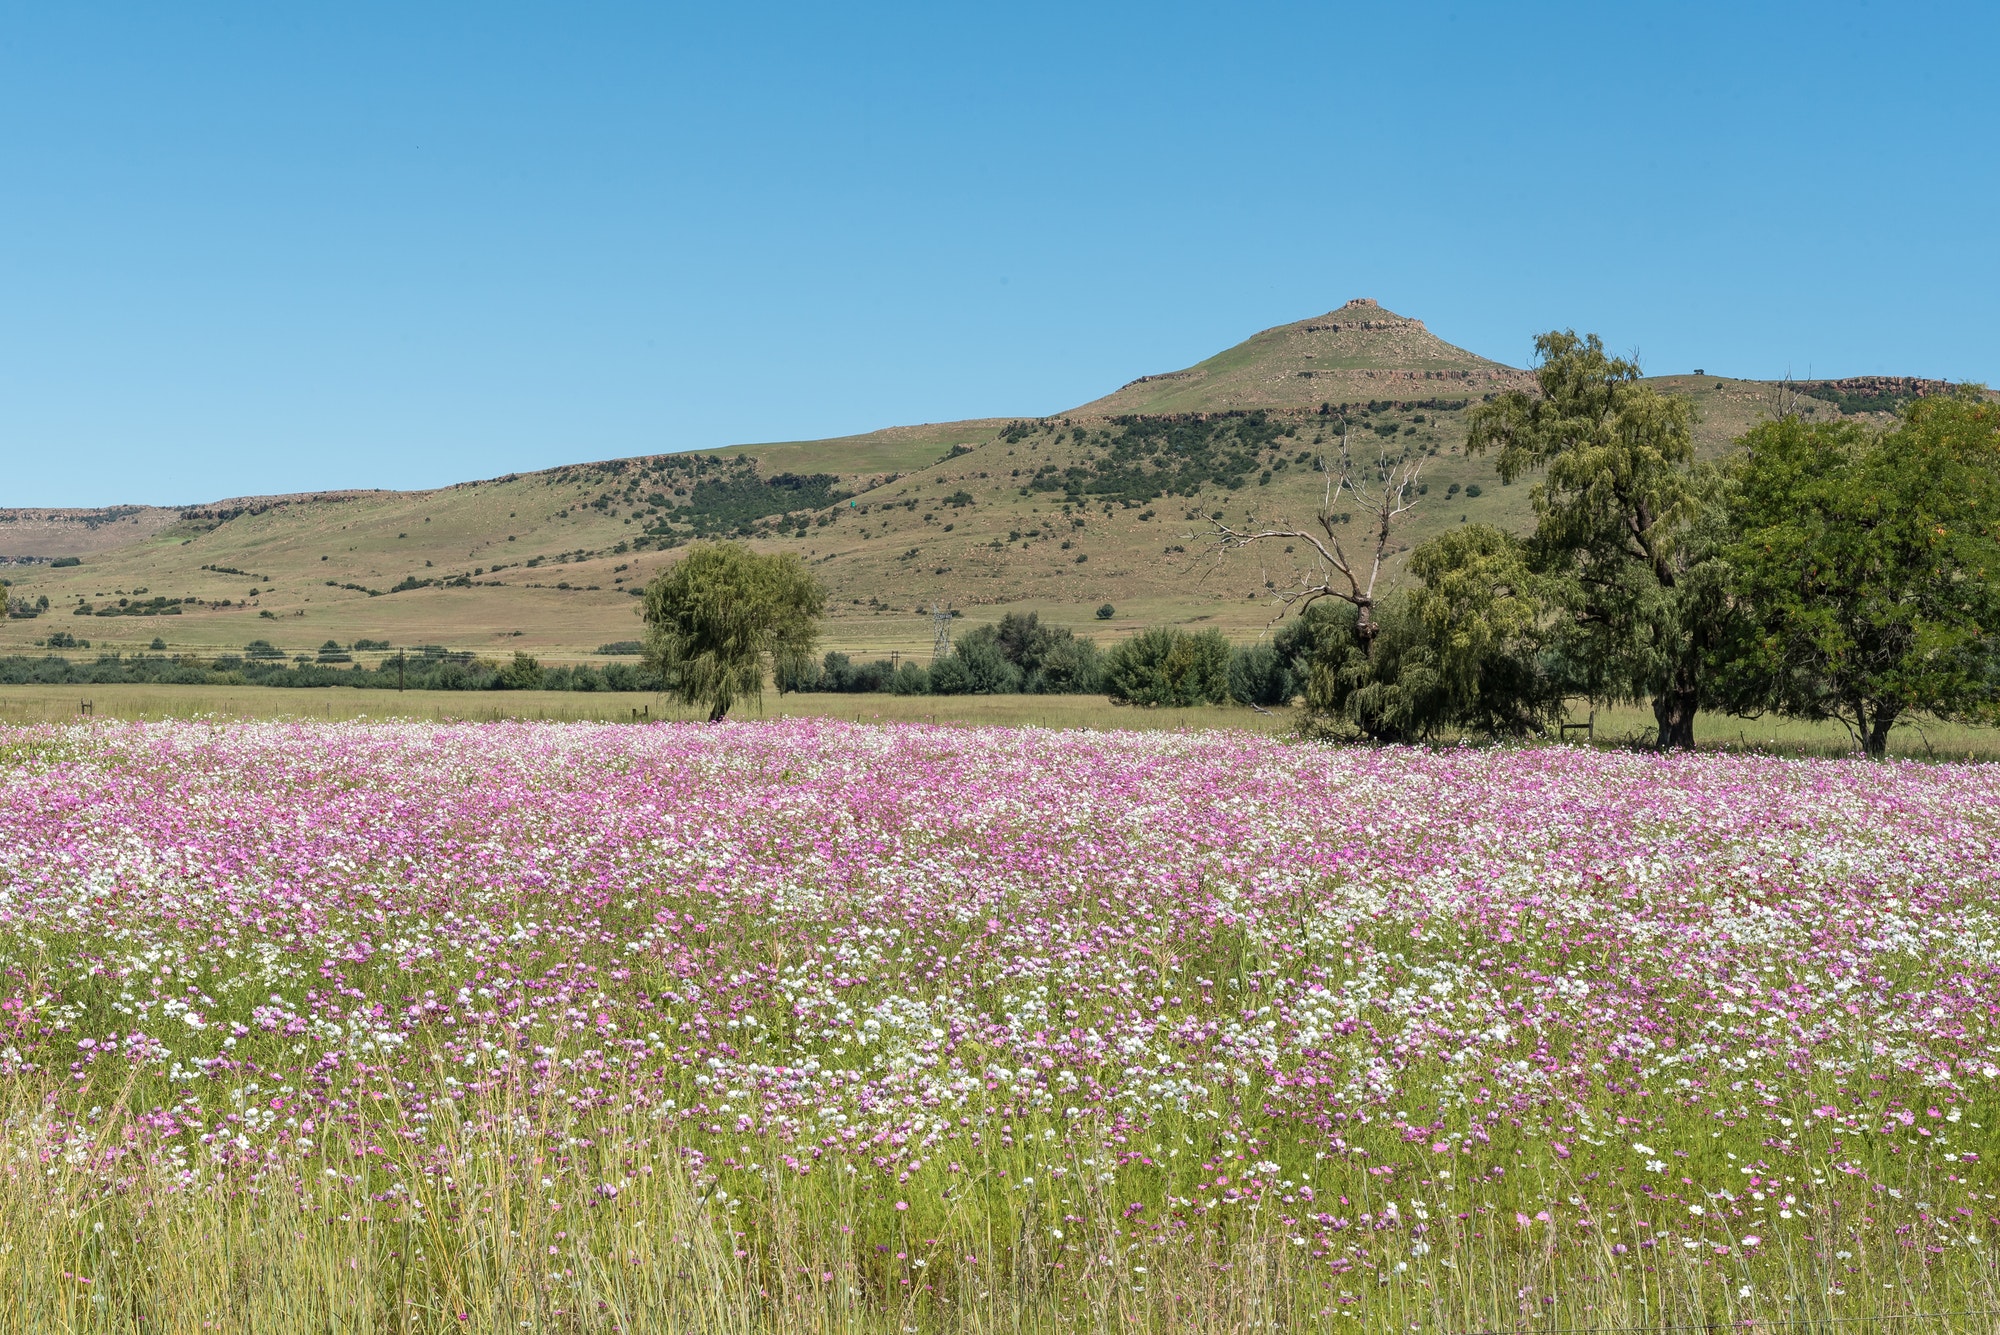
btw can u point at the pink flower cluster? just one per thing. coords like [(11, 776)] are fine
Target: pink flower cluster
[(891, 950)]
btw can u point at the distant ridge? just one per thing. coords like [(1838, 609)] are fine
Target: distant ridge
[(1358, 353)]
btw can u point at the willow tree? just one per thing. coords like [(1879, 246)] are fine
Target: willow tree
[(721, 611), (1626, 519)]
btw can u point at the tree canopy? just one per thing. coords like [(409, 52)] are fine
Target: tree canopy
[(715, 617), (1867, 569)]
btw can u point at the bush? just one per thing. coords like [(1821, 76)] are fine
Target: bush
[(1258, 675), (948, 676), (523, 674), (797, 674), (839, 673), (1068, 666), (911, 679), (1106, 612), (987, 670), (61, 562), (1163, 665)]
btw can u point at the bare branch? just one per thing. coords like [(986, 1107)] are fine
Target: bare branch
[(1384, 488)]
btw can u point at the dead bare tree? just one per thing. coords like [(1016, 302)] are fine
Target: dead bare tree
[(1783, 399), (1384, 489)]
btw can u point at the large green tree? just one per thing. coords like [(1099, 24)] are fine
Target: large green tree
[(1624, 519), (719, 612), (1867, 569)]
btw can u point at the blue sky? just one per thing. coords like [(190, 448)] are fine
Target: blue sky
[(256, 248)]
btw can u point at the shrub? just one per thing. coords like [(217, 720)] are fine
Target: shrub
[(987, 671), (1106, 612), (523, 674), (948, 676), (1163, 665), (1258, 676)]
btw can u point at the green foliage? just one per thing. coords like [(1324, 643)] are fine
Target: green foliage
[(1481, 621), (949, 676), (1139, 459), (64, 562), (1051, 660), (1258, 675), (734, 500), (1020, 654), (1164, 665), (1467, 650), (1106, 611), (1622, 513), (716, 615), (443, 672), (988, 671), (1867, 570), (523, 674)]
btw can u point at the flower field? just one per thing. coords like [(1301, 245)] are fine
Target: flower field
[(809, 1025)]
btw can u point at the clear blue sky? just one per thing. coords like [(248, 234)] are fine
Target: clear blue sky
[(255, 248)]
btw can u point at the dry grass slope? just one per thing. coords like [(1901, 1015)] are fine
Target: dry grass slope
[(546, 562)]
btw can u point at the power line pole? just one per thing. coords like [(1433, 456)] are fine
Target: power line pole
[(940, 633)]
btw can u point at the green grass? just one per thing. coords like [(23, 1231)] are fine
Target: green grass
[(1625, 726), (374, 1239), (38, 704)]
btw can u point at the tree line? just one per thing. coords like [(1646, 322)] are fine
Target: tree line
[(1826, 571)]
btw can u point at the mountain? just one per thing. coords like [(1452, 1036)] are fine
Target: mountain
[(1107, 503), (1361, 351)]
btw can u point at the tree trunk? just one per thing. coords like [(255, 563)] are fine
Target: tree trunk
[(716, 712), (1674, 709), (1876, 740)]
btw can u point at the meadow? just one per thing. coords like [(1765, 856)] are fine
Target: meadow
[(803, 1025)]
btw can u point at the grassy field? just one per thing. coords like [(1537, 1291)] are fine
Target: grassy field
[(40, 704), (1622, 727)]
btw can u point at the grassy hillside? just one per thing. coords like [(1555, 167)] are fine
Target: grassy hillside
[(1110, 503)]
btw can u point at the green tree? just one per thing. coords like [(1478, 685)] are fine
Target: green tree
[(523, 674), (1867, 569), (1482, 620), (1163, 665), (1467, 649), (719, 612), (1624, 517), (1258, 676)]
